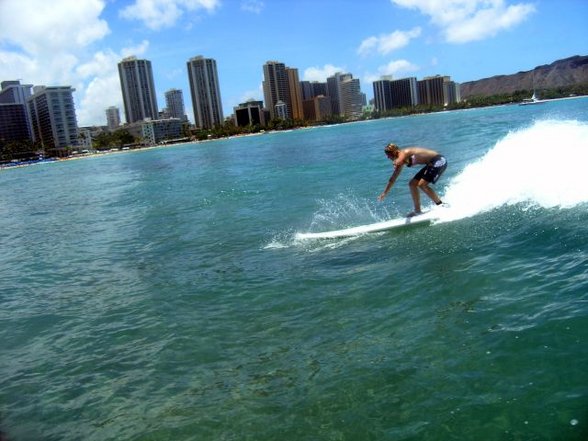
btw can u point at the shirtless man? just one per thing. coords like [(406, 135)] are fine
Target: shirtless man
[(435, 165)]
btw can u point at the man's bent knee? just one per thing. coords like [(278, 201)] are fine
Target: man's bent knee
[(422, 183)]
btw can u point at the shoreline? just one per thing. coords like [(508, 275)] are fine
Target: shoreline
[(266, 132)]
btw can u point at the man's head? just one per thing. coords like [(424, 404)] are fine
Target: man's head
[(391, 151)]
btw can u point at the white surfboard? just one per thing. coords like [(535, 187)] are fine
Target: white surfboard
[(429, 216)]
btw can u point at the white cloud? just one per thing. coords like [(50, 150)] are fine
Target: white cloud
[(386, 43), (48, 43), (42, 42), (462, 21), (100, 93), (158, 14), (396, 68), (38, 25), (321, 73), (255, 6)]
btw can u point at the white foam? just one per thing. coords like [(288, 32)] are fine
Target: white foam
[(543, 165)]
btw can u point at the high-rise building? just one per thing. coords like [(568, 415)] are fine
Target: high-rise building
[(276, 88), (295, 94), (452, 92), (138, 89), (53, 117), (205, 92), (15, 124), (281, 87), (306, 90), (334, 91), (345, 94), (404, 92), (317, 108), (438, 91), (310, 89), (389, 94), (112, 117), (352, 98), (383, 94), (174, 102), (12, 92)]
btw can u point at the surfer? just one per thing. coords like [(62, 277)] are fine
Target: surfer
[(434, 166)]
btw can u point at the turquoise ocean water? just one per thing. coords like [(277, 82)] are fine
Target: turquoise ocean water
[(162, 295)]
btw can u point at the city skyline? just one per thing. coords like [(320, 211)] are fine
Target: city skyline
[(404, 38)]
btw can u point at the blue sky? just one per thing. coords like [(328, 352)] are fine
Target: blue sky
[(80, 42)]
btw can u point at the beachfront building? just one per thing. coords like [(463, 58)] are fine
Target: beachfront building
[(438, 91), (138, 89), (405, 92), (334, 91), (276, 89), (345, 94), (452, 92), (317, 108), (250, 113), (53, 117), (281, 86), (352, 98), (295, 94), (158, 130), (205, 92), (85, 139), (383, 94), (174, 102), (112, 118), (390, 94), (12, 92), (310, 89), (15, 124)]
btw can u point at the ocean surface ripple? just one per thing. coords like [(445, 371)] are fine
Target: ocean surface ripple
[(162, 295)]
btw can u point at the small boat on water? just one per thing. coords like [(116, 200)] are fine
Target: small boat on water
[(532, 100)]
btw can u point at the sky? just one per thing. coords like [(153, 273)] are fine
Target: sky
[(79, 43)]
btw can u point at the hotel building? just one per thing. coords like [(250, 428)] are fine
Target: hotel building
[(276, 90), (310, 89), (174, 102), (53, 117), (250, 113), (138, 89), (282, 92), (15, 124), (317, 108), (205, 92), (390, 94), (346, 97), (158, 130), (438, 91), (112, 118)]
